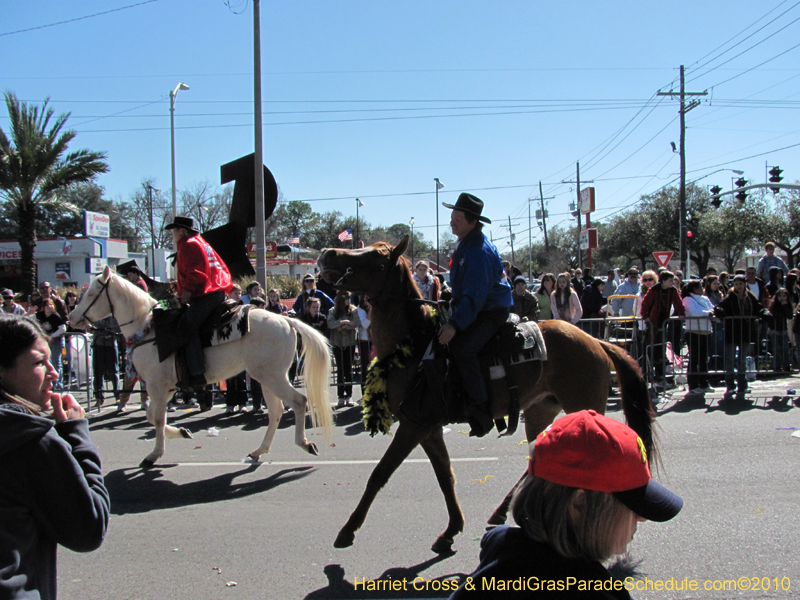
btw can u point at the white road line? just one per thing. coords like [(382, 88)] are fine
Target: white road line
[(294, 463)]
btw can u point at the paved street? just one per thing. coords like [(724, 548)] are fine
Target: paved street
[(202, 519)]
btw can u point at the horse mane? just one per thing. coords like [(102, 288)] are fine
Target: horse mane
[(139, 300), (418, 314)]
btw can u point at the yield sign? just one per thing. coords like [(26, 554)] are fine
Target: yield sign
[(663, 258)]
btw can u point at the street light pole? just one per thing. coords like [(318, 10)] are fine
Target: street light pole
[(173, 95), (359, 204), (530, 242), (439, 185)]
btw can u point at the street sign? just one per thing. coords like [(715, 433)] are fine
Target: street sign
[(587, 201), (663, 258), (588, 239)]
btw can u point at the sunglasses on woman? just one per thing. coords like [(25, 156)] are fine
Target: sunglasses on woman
[(647, 279)]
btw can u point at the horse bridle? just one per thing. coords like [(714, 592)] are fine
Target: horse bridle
[(349, 273), (110, 303)]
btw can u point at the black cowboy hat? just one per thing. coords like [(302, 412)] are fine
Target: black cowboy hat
[(182, 222), (469, 204)]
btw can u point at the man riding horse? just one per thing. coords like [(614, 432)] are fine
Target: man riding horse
[(481, 303), (203, 283)]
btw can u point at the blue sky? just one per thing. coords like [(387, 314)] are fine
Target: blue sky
[(375, 99)]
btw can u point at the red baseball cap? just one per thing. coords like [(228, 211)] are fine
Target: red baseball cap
[(593, 452)]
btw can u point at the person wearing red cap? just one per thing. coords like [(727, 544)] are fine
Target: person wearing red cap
[(588, 486)]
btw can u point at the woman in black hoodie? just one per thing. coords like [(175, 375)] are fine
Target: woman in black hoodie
[(51, 483)]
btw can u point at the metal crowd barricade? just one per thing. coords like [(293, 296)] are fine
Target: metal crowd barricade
[(78, 376), (695, 351), (625, 331)]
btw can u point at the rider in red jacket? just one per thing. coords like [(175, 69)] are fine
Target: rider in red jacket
[(203, 283)]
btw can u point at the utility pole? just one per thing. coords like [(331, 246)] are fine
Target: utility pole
[(544, 217), (684, 108), (577, 182), (511, 237), (261, 250), (530, 229)]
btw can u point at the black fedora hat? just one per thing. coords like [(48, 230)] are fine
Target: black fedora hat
[(468, 204), (182, 222)]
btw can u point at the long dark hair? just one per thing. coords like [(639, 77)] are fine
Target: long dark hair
[(340, 309), (18, 335), (562, 299), (691, 285), (542, 291)]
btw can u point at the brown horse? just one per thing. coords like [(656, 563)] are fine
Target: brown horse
[(574, 377)]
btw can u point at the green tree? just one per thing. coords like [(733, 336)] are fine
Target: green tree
[(783, 220), (35, 167)]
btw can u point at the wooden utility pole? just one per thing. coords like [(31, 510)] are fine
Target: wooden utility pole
[(511, 237), (684, 108), (577, 182), (544, 217)]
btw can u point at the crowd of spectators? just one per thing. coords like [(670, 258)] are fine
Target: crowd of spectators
[(723, 323)]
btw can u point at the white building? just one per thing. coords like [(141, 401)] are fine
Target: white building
[(72, 261)]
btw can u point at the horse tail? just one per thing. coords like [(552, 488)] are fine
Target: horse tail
[(636, 404), (317, 368)]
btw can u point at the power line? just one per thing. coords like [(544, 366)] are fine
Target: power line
[(105, 12), (758, 65), (747, 50), (354, 120), (744, 39)]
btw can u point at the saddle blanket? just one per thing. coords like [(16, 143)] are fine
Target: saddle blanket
[(529, 336), (219, 329)]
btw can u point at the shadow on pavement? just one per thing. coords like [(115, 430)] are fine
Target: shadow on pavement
[(730, 404), (128, 487), (339, 587)]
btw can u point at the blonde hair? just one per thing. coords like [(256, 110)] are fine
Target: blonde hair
[(542, 509)]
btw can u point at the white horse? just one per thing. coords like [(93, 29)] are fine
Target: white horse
[(266, 353)]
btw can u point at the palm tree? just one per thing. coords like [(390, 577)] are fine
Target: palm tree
[(34, 166)]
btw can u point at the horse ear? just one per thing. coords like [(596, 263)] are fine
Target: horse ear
[(400, 249), (106, 273)]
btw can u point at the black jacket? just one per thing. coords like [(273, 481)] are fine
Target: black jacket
[(742, 316), (51, 493), (509, 557)]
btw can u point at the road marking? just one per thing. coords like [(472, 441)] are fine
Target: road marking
[(295, 463)]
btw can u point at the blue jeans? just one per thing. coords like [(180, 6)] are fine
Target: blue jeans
[(56, 347), (739, 362), (464, 349)]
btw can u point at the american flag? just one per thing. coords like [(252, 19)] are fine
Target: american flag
[(346, 235), (295, 239)]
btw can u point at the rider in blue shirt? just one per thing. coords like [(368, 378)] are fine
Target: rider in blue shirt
[(481, 301)]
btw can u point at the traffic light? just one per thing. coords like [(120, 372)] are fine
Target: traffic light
[(741, 196), (716, 202), (775, 177), (689, 238)]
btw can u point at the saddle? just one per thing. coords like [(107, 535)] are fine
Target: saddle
[(229, 321), (437, 395)]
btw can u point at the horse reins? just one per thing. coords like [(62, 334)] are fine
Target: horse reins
[(110, 303)]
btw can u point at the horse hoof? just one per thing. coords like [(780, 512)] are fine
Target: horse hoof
[(186, 433), (312, 449), (443, 545), (252, 459), (496, 519), (147, 463), (344, 540)]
